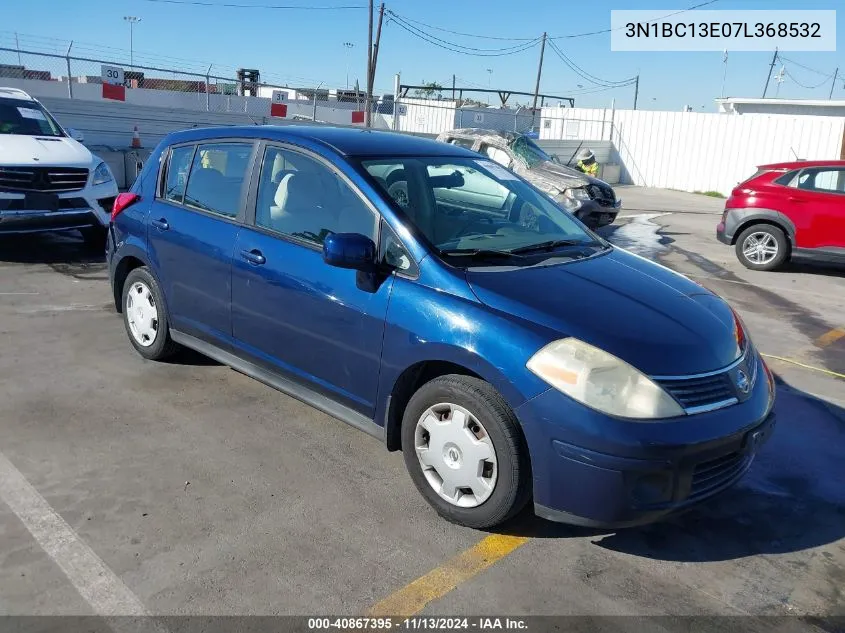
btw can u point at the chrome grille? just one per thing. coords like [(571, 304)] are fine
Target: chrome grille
[(42, 179), (699, 392)]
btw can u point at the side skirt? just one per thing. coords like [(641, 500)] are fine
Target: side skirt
[(285, 385)]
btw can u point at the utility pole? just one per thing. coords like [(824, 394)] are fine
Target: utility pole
[(372, 77), (132, 20), (453, 86), (539, 72), (348, 46), (636, 91), (369, 64), (833, 85), (769, 76)]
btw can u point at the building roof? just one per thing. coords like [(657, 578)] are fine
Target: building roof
[(342, 140), (828, 103)]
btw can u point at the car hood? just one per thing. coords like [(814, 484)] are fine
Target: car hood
[(549, 175), (52, 151), (649, 316)]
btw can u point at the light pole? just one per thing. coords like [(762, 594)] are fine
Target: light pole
[(348, 46), (489, 83), (132, 20)]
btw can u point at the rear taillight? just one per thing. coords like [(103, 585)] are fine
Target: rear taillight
[(123, 201)]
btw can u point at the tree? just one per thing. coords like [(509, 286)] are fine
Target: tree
[(429, 89)]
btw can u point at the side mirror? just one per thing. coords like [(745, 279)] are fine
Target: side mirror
[(76, 135), (349, 250)]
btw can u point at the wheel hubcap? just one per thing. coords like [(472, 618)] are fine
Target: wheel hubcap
[(760, 248), (142, 314), (456, 455)]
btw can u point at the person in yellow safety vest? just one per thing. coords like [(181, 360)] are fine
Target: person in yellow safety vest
[(587, 163)]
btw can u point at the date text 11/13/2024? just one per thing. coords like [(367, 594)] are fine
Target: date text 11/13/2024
[(418, 624)]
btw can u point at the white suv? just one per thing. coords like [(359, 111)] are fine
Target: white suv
[(48, 180)]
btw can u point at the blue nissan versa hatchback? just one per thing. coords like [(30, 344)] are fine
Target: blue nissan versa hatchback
[(457, 314)]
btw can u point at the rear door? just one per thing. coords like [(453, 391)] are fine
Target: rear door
[(818, 202), (194, 222)]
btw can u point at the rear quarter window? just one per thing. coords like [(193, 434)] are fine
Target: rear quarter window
[(789, 179)]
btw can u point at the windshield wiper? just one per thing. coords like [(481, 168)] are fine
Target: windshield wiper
[(478, 252), (551, 244)]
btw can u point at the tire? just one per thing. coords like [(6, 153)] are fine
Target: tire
[(508, 468), (151, 321), (766, 236), (94, 238)]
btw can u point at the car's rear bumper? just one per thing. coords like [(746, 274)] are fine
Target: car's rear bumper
[(722, 234)]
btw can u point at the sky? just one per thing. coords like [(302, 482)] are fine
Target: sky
[(307, 47)]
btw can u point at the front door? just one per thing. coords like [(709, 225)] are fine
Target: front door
[(194, 221), (291, 309)]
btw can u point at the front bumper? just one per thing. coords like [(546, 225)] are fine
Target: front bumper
[(89, 207), (596, 215), (593, 470)]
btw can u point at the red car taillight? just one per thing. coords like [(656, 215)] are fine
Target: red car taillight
[(123, 201)]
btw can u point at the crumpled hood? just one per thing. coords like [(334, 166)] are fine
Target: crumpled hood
[(649, 316), (52, 151), (549, 174)]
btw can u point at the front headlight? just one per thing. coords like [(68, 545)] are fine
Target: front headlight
[(602, 381), (577, 194), (102, 175)]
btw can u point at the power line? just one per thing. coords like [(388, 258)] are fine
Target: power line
[(826, 79), (587, 76), (456, 48), (669, 15), (485, 37), (234, 5), (516, 47), (812, 70)]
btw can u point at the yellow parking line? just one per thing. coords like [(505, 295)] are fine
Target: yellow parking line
[(830, 337), (413, 597), (795, 362)]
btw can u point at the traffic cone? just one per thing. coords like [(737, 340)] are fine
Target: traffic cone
[(136, 139)]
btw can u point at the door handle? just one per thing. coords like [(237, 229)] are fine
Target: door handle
[(161, 224), (254, 257)]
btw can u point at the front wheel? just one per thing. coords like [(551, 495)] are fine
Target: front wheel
[(465, 451), (762, 247)]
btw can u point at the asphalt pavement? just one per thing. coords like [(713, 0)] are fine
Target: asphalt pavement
[(135, 487)]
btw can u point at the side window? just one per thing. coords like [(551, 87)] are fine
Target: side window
[(789, 179), (829, 180), (497, 154), (217, 175), (394, 253), (177, 173), (301, 197)]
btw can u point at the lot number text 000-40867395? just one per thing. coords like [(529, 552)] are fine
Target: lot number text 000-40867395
[(788, 30)]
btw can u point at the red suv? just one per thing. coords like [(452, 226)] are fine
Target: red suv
[(787, 209)]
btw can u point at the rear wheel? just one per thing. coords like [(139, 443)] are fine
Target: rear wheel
[(144, 316), (762, 247), (465, 452)]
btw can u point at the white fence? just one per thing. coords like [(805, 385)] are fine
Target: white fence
[(695, 151)]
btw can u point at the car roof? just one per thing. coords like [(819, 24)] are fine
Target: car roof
[(346, 141), (477, 132), (14, 93), (800, 164)]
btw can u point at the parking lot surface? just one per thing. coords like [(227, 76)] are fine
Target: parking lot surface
[(129, 486)]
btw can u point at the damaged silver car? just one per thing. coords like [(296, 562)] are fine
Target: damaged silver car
[(591, 200)]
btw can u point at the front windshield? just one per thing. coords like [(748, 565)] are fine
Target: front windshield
[(26, 118), (528, 151), (467, 206)]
